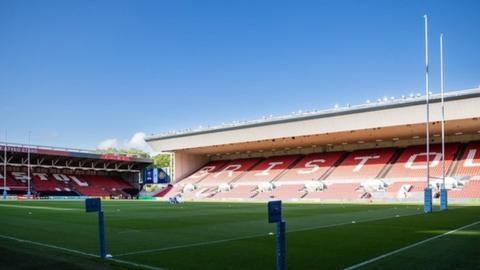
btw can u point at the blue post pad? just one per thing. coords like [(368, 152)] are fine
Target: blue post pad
[(95, 205), (443, 199), (274, 211), (427, 207)]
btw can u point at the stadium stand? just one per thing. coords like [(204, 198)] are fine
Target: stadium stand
[(387, 172), (268, 169), (50, 184), (99, 185), (239, 192), (70, 185), (173, 191), (70, 172), (363, 164), (210, 177), (311, 167), (412, 162), (398, 186), (230, 172), (164, 191), (407, 174), (44, 184), (246, 174), (471, 189), (283, 192), (340, 191), (11, 183), (211, 168), (467, 171), (469, 164)]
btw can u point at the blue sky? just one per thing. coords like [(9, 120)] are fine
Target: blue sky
[(76, 73)]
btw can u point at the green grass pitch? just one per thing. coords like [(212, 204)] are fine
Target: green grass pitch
[(156, 235)]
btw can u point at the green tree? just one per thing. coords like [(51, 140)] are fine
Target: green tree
[(124, 152), (138, 153), (161, 161)]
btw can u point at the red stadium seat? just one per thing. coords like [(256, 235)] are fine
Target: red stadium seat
[(470, 190), (172, 192), (416, 186), (239, 192), (211, 175), (412, 162), (212, 167), (246, 178), (363, 164), (230, 172), (283, 192), (469, 165), (311, 167), (268, 169), (93, 186), (11, 183), (100, 185), (47, 182), (164, 191), (337, 192)]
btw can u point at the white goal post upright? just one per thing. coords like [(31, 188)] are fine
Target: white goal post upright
[(443, 189), (29, 191), (5, 167), (428, 189)]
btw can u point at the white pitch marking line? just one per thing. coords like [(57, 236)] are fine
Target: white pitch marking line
[(249, 236), (40, 207), (136, 264), (409, 246), (77, 252), (47, 245)]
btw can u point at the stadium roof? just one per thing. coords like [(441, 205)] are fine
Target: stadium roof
[(384, 119)]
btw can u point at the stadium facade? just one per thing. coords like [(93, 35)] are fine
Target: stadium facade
[(373, 151)]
